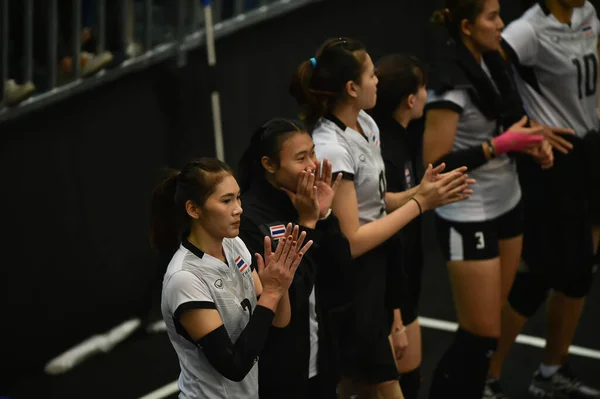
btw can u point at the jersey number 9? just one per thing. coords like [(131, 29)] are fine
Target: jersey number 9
[(382, 190), (246, 305)]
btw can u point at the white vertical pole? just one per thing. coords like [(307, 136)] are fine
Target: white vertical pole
[(212, 62)]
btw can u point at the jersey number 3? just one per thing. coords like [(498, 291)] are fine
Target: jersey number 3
[(587, 75)]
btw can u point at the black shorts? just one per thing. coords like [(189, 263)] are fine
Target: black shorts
[(367, 357), (405, 266), (592, 148), (557, 239), (478, 240), (413, 272)]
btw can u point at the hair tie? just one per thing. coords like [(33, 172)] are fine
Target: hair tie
[(313, 61)]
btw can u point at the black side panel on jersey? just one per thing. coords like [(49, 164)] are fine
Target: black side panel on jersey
[(526, 73)]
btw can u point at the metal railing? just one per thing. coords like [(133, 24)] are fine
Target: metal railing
[(53, 49)]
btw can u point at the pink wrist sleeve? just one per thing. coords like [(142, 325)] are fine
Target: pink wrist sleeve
[(514, 141)]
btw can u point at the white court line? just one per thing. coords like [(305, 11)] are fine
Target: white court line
[(522, 339), (168, 390), (426, 322)]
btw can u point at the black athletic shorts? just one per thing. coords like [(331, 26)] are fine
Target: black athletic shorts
[(558, 217), (478, 240), (592, 148), (405, 266), (367, 357), (413, 272)]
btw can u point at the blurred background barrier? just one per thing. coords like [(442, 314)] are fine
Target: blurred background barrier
[(42, 39)]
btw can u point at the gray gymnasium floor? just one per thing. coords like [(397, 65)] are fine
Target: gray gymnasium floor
[(144, 363)]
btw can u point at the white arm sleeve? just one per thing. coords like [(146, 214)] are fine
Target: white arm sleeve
[(521, 37)]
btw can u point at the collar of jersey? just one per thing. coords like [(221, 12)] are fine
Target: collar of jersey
[(200, 254), (395, 137), (547, 12), (334, 119), (192, 248), (544, 7), (390, 124)]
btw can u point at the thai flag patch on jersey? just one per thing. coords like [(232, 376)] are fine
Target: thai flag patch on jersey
[(277, 231), (374, 139), (241, 264), (587, 29)]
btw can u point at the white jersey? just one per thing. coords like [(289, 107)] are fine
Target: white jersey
[(557, 66), (195, 280), (497, 189), (358, 158)]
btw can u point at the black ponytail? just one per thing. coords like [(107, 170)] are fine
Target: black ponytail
[(265, 141), (455, 12), (195, 182), (165, 218), (319, 82)]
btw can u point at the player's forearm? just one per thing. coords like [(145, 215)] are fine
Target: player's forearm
[(283, 314), (235, 360), (472, 157), (397, 323), (394, 201), (373, 234), (269, 299)]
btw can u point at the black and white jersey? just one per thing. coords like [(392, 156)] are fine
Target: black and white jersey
[(557, 66), (358, 158), (497, 189), (195, 280)]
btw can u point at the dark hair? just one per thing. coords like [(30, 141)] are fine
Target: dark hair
[(318, 85), (455, 12), (527, 4), (399, 76), (195, 182), (266, 141)]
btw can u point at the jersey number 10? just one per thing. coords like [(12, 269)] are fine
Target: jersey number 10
[(587, 75)]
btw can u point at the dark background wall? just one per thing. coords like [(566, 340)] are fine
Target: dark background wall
[(77, 176)]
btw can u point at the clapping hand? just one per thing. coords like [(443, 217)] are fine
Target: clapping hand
[(326, 186)]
